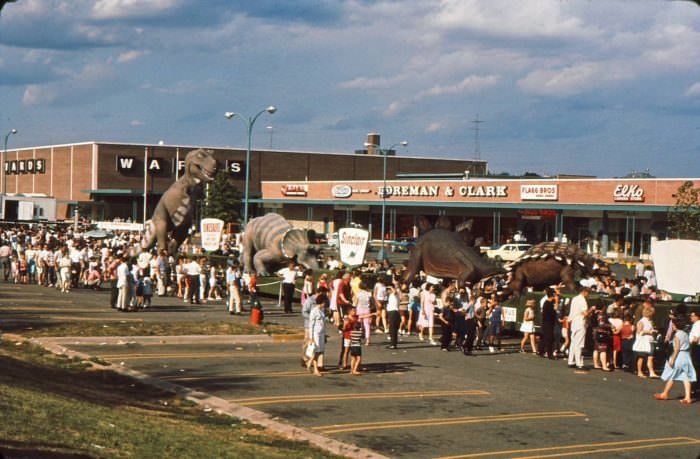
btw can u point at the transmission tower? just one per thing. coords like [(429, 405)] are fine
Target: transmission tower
[(477, 146)]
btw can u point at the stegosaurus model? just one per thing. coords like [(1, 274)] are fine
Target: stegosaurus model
[(173, 213), (551, 263), (444, 253)]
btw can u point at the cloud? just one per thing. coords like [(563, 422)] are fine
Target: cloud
[(131, 55), (694, 90), (370, 83), (573, 79), (120, 9), (472, 83), (93, 82)]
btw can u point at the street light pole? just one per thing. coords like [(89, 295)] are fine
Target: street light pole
[(4, 161), (249, 122), (384, 153)]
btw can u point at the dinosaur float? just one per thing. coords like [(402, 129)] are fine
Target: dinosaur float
[(172, 216), (552, 263), (444, 253), (270, 240)]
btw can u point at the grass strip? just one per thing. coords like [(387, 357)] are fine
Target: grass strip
[(124, 328), (54, 406)]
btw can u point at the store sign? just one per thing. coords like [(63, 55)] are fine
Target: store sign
[(295, 190), (236, 169), (341, 191), (132, 166), (628, 193), (539, 192), (25, 166)]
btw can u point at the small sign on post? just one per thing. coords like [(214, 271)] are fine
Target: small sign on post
[(211, 229), (353, 245)]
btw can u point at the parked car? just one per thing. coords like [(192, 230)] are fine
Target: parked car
[(333, 240), (508, 252), (403, 244)]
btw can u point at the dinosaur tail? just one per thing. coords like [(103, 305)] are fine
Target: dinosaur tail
[(149, 235)]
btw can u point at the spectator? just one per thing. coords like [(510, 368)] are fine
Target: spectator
[(643, 343), (427, 313), (527, 328), (317, 337), (679, 366), (577, 319), (288, 275), (392, 315)]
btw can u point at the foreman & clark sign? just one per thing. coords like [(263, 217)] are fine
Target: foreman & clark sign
[(480, 191)]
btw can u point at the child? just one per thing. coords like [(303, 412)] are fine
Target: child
[(679, 366), (147, 291), (355, 345)]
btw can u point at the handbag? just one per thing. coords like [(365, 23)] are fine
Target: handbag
[(641, 345), (310, 350)]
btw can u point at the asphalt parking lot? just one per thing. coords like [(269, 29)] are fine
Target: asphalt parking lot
[(413, 402)]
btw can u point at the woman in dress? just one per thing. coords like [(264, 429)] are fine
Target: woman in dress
[(427, 309), (317, 336), (527, 328), (403, 309), (361, 302), (645, 334), (307, 288), (679, 366), (602, 342)]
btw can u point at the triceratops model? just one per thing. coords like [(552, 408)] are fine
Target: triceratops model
[(270, 240), (449, 254), (173, 214), (551, 263)]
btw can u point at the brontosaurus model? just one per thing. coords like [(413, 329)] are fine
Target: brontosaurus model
[(443, 253), (173, 213), (551, 263), (270, 240)]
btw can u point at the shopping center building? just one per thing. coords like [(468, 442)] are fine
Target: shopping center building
[(325, 191)]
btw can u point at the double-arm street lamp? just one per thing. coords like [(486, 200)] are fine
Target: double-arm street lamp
[(384, 153), (249, 122), (4, 161)]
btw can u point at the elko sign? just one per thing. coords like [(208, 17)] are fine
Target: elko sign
[(628, 193), (25, 166)]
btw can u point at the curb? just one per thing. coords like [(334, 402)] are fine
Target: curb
[(204, 400)]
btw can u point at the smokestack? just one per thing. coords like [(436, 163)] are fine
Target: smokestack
[(373, 139)]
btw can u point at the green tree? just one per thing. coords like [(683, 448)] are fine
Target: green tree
[(224, 199), (684, 218)]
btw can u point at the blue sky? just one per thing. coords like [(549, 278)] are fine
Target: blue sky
[(598, 87)]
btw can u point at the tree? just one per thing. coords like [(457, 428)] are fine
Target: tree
[(224, 199), (684, 218)]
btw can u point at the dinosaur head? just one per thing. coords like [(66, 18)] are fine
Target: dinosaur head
[(200, 165), (295, 245)]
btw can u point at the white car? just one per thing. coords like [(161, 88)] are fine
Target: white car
[(508, 252)]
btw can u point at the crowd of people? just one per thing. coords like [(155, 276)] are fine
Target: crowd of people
[(374, 300)]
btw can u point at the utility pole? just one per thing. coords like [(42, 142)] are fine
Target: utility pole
[(477, 145)]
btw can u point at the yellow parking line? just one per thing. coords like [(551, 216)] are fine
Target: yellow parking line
[(265, 374), (597, 448), (200, 355), (351, 396), (436, 422)]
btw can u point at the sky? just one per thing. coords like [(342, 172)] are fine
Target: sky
[(598, 87)]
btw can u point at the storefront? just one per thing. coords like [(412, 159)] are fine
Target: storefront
[(616, 217)]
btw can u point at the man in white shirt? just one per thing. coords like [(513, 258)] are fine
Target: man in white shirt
[(694, 338), (289, 276), (578, 315), (193, 270)]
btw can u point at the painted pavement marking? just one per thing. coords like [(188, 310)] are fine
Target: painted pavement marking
[(277, 399), (437, 422), (586, 448)]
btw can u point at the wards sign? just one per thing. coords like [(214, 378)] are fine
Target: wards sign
[(132, 166)]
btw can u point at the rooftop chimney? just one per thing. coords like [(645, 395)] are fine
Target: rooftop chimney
[(373, 139)]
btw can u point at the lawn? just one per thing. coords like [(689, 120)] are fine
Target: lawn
[(56, 407)]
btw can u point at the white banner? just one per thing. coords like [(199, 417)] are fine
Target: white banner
[(119, 226), (676, 265), (510, 314), (353, 244), (211, 229), (25, 210)]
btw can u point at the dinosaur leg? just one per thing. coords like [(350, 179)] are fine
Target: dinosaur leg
[(567, 278), (414, 265), (179, 236), (264, 257), (161, 232)]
